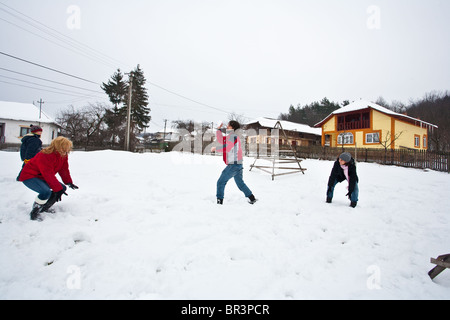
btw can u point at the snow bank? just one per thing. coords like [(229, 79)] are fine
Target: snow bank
[(146, 226)]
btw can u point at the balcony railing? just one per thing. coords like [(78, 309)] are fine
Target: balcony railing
[(354, 125)]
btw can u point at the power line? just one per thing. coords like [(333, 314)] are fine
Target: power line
[(78, 46), (58, 44), (11, 78), (51, 69), (57, 82), (184, 97), (151, 83), (61, 37), (57, 92)]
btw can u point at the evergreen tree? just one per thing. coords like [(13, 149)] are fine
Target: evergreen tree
[(311, 114), (139, 101), (115, 88), (115, 118)]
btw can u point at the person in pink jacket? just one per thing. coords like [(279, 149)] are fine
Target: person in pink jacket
[(232, 156)]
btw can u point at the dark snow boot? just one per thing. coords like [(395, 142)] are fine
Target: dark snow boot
[(353, 204), (34, 214), (219, 201), (329, 200), (50, 202), (252, 199)]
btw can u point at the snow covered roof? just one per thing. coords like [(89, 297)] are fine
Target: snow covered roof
[(23, 112), (287, 125), (363, 104)]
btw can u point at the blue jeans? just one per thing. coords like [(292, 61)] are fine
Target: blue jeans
[(41, 187), (354, 195), (232, 171)]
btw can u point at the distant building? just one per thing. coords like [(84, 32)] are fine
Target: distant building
[(368, 125), (169, 135), (15, 121), (296, 134)]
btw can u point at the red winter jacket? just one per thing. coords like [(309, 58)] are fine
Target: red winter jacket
[(45, 167)]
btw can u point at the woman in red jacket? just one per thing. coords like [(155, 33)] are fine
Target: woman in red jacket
[(40, 175)]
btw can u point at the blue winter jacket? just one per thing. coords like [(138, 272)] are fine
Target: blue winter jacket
[(31, 145)]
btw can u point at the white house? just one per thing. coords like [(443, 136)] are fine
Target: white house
[(297, 134), (16, 118)]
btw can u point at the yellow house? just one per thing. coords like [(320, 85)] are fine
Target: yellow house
[(365, 124)]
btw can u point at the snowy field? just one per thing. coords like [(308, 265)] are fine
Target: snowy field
[(146, 226)]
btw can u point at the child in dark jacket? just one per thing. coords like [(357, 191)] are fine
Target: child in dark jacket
[(344, 168), (31, 144)]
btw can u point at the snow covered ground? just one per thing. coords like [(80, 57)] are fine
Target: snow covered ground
[(146, 226)]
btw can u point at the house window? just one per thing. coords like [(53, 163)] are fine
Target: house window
[(416, 141), (346, 138), (425, 142), (373, 137), (24, 131), (327, 140)]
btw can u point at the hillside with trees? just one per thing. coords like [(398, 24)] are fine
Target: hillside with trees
[(313, 113), (434, 108)]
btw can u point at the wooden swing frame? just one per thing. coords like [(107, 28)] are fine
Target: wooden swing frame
[(276, 160)]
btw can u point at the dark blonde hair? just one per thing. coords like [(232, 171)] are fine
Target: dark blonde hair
[(61, 145)]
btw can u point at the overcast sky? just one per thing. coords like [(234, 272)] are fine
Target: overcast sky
[(251, 57)]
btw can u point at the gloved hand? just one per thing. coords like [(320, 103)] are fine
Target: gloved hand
[(59, 194), (72, 186)]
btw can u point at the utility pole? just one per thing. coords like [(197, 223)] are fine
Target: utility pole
[(40, 107), (130, 92), (165, 124)]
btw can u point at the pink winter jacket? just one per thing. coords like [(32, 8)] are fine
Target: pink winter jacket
[(231, 147)]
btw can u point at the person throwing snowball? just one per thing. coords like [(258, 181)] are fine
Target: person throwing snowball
[(232, 156)]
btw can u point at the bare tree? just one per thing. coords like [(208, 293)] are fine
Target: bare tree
[(387, 142), (85, 126), (94, 115), (237, 117), (71, 121)]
